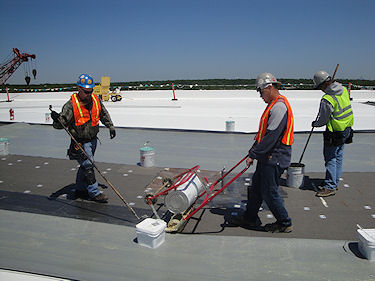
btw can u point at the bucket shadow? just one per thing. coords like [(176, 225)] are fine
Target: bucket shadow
[(353, 247), (311, 184)]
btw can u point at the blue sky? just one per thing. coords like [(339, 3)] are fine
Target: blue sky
[(195, 39)]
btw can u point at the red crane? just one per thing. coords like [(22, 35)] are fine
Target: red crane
[(10, 66)]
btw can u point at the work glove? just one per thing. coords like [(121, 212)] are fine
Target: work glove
[(112, 132), (55, 116)]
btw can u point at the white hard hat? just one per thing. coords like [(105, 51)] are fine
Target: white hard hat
[(320, 77), (265, 79)]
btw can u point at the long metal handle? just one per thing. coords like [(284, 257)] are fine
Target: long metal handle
[(227, 173), (334, 73), (96, 168), (207, 200), (312, 129)]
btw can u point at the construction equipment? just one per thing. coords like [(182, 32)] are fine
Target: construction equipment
[(11, 65), (103, 92), (182, 193), (96, 168)]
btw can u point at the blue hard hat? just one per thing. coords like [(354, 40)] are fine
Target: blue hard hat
[(85, 81)]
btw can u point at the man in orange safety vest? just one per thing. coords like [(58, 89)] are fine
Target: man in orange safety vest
[(272, 150), (81, 115)]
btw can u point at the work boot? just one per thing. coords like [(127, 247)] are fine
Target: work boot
[(276, 227), (101, 198), (324, 192)]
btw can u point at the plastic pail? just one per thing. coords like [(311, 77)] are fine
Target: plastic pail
[(229, 125), (295, 176), (4, 146), (48, 117), (147, 155)]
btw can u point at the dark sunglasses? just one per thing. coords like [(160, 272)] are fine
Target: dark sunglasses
[(88, 91)]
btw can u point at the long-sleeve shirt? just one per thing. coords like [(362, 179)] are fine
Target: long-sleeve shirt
[(270, 149), (85, 131)]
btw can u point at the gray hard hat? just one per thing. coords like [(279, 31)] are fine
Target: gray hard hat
[(320, 77), (265, 79)]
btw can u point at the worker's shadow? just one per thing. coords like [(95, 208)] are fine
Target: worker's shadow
[(72, 193), (229, 214)]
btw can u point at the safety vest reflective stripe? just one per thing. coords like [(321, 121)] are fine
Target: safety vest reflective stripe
[(78, 105), (340, 110), (264, 120), (97, 107), (82, 115), (342, 115), (288, 135)]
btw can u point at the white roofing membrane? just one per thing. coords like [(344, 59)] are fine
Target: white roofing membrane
[(207, 110)]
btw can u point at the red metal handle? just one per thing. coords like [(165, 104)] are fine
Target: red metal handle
[(223, 176), (206, 200), (186, 175)]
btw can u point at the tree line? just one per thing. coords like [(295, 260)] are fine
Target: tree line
[(188, 84)]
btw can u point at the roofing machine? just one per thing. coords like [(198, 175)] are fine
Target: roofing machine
[(182, 193)]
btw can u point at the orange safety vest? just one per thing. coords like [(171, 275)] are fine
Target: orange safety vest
[(82, 115), (288, 135)]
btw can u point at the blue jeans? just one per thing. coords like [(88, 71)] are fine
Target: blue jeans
[(265, 185), (81, 182), (333, 156)]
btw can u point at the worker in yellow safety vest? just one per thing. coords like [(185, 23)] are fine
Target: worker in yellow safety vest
[(81, 115), (272, 150), (335, 112)]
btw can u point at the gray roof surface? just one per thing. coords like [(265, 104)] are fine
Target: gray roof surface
[(83, 240)]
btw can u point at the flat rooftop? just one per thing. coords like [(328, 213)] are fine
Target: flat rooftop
[(82, 240), (76, 239)]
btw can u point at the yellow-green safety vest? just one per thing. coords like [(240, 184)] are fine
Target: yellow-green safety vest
[(342, 116)]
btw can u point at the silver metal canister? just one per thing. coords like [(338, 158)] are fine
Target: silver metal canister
[(179, 200)]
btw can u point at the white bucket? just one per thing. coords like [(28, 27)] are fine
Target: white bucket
[(4, 146), (147, 155), (48, 117), (296, 175), (230, 126), (366, 243), (179, 200), (151, 232)]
